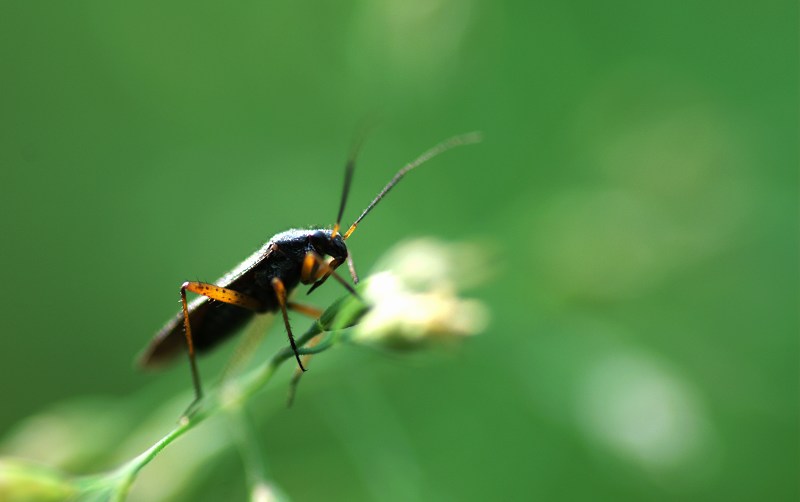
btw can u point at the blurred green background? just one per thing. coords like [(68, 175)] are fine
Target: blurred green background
[(637, 190)]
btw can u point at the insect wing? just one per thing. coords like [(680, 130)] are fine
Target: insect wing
[(211, 321)]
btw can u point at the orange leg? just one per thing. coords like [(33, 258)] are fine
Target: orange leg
[(224, 295), (307, 310), (313, 268), (317, 270)]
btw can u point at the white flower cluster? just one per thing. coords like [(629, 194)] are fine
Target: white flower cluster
[(414, 296)]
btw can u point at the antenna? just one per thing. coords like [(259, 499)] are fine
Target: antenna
[(463, 139), (348, 178)]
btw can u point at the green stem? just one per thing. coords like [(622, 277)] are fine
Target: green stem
[(227, 397), (233, 394)]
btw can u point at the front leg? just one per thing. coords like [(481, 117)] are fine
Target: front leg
[(317, 270)]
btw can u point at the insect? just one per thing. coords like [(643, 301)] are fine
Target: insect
[(262, 283)]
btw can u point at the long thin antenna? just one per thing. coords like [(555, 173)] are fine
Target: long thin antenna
[(348, 178), (463, 139)]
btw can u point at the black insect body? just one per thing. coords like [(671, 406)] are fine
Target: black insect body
[(213, 321), (263, 281)]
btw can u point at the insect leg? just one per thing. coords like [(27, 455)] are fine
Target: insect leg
[(352, 267), (316, 269), (224, 295), (313, 313), (280, 293), (310, 270), (295, 381), (307, 310)]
